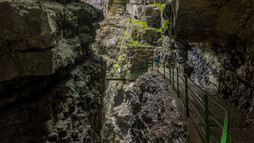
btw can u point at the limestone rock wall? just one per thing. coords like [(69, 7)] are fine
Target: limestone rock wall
[(51, 84), (39, 38), (127, 7), (125, 44), (143, 111), (154, 116), (96, 3), (215, 38)]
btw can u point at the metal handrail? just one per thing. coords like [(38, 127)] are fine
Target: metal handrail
[(226, 136)]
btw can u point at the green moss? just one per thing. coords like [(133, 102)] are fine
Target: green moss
[(138, 43), (165, 25), (105, 58), (161, 5), (135, 43), (123, 47), (122, 36), (127, 37), (142, 24), (120, 58), (117, 66)]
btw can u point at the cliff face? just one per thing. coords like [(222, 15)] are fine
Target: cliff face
[(96, 3), (127, 37), (154, 116), (51, 85), (216, 39), (144, 111)]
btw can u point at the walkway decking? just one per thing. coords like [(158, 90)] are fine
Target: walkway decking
[(241, 132)]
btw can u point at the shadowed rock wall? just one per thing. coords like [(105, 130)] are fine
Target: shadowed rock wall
[(216, 39), (51, 84)]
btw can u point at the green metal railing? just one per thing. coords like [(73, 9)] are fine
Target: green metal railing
[(226, 137)]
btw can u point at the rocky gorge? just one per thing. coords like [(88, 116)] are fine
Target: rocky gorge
[(51, 84), (142, 112), (217, 43), (56, 57)]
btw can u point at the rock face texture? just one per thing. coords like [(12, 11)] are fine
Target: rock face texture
[(215, 38), (39, 38), (154, 117), (117, 114), (143, 111), (51, 85), (125, 44), (96, 3), (128, 7), (127, 39)]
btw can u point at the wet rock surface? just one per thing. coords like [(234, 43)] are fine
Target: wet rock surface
[(217, 45), (51, 84), (64, 107), (38, 38), (154, 117), (147, 114), (115, 41)]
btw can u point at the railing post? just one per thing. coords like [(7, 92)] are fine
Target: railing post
[(173, 77), (164, 64), (147, 64), (169, 73), (207, 120), (158, 67), (186, 96), (177, 72), (152, 62)]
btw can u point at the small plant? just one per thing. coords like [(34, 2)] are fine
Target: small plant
[(161, 5), (165, 25), (120, 58), (134, 43), (117, 66)]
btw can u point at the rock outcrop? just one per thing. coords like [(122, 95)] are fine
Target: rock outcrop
[(51, 84), (154, 117), (128, 41), (96, 3), (143, 111), (215, 38), (37, 38)]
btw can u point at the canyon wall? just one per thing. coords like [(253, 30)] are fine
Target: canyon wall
[(143, 111), (216, 39), (96, 3), (126, 39), (51, 84)]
